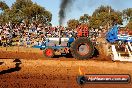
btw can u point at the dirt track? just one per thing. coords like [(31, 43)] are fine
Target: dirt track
[(39, 72)]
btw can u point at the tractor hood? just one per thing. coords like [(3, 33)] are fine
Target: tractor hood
[(62, 39)]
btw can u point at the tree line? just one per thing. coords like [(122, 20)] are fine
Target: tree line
[(27, 11), (103, 16), (24, 10)]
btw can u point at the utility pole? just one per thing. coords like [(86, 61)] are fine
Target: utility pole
[(109, 22)]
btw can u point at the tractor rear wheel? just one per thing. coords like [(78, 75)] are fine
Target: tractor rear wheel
[(49, 52), (82, 48)]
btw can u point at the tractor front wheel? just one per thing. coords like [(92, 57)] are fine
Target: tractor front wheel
[(49, 52)]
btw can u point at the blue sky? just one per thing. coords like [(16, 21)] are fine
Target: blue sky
[(79, 7)]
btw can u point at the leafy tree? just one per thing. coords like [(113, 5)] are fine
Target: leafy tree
[(105, 15), (73, 23), (20, 4), (101, 9), (127, 13), (3, 5), (84, 19), (129, 25), (28, 11)]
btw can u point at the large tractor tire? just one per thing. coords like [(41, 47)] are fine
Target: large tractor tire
[(49, 52), (82, 48)]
